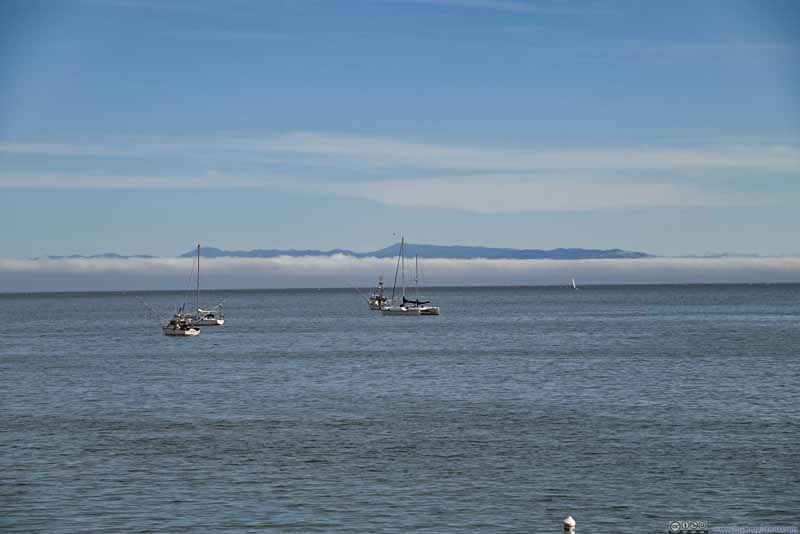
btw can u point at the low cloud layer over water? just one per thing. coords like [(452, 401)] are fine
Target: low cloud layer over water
[(344, 271)]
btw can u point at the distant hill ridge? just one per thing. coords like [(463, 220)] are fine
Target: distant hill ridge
[(432, 251)]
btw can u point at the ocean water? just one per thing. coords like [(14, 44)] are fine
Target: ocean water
[(626, 407)]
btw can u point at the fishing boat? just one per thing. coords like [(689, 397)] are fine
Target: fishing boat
[(377, 300), (405, 306), (180, 326), (201, 317), (181, 323)]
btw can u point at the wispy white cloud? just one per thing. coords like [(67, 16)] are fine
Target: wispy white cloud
[(490, 194), (386, 153), (62, 149), (478, 193), (389, 153), (479, 179), (344, 271), (111, 180)]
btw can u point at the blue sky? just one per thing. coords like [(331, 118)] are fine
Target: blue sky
[(143, 126)]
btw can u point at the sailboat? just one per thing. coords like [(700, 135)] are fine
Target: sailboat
[(405, 306), (202, 317), (573, 284), (421, 305), (377, 300), (394, 307)]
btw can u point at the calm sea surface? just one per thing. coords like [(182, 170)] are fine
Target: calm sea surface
[(623, 406)]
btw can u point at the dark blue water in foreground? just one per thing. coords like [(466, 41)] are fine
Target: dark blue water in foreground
[(623, 406)]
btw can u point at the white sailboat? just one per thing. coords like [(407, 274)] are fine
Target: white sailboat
[(573, 284), (406, 307), (423, 306), (215, 317), (394, 307)]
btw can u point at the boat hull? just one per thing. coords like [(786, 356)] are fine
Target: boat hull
[(429, 310), (208, 322), (400, 311), (208, 318), (181, 332)]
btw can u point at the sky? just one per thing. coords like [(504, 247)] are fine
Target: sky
[(144, 126)]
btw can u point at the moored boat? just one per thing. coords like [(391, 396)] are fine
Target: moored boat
[(377, 300), (180, 326), (400, 310), (429, 310), (215, 317), (407, 307)]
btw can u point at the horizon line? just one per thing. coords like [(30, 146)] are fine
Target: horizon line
[(435, 287)]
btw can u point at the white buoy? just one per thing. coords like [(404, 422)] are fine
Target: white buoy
[(569, 525)]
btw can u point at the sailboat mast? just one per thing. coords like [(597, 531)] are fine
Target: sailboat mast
[(197, 297), (416, 276), (403, 256), (394, 286)]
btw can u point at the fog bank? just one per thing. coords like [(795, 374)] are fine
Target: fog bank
[(345, 271)]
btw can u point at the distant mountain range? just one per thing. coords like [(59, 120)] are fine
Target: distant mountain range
[(423, 251), (432, 251)]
